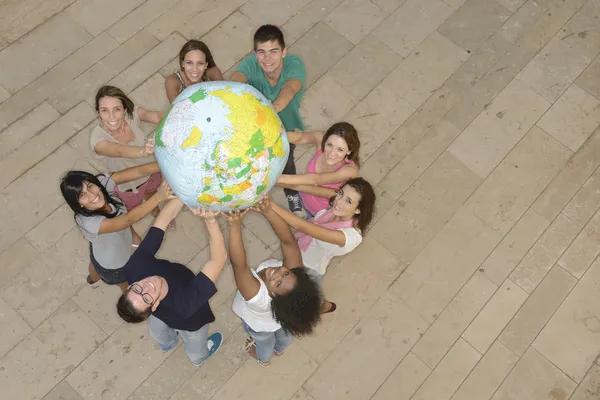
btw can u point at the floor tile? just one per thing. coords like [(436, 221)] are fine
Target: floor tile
[(90, 81), (439, 272), (426, 69), (474, 22), (19, 18), (519, 179), (39, 51), (494, 316), (27, 127), (309, 16), (549, 73), (377, 117), (589, 79), (116, 368), (543, 255), (62, 391), (535, 378), (212, 14), (584, 203), (96, 17), (411, 223), (49, 353), (582, 32), (537, 310), (487, 375), (514, 246), (12, 260), (175, 17), (573, 118), (207, 380), (574, 174), (412, 23), (355, 19), (135, 21), (405, 380), (449, 373), (52, 229), (589, 389), (13, 328), (455, 318), (286, 375), (275, 11), (320, 48), (581, 253), (364, 67), (499, 128), (369, 282), (416, 162), (325, 103), (380, 340), (579, 318)]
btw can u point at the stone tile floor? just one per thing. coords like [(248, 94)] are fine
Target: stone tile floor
[(479, 122)]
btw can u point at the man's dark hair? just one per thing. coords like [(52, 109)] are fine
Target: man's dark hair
[(298, 311), (129, 313), (266, 33)]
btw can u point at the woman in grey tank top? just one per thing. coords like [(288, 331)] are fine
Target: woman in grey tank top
[(197, 65)]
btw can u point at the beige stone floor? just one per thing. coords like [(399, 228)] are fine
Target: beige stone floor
[(478, 280)]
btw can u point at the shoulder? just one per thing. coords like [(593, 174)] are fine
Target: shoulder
[(98, 134), (293, 64), (248, 62), (353, 237)]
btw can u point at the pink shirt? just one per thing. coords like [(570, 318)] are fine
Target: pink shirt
[(312, 203)]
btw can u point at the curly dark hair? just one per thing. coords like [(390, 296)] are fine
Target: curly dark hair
[(129, 313), (298, 310)]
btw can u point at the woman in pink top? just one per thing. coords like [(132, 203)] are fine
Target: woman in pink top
[(336, 162), (334, 231)]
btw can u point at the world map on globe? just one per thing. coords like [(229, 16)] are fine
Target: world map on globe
[(221, 146)]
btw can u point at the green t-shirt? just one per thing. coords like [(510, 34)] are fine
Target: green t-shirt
[(292, 68)]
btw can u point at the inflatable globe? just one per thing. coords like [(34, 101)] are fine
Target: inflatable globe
[(221, 146)]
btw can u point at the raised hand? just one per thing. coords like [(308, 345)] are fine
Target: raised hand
[(164, 192), (263, 206), (208, 215), (149, 147), (235, 217)]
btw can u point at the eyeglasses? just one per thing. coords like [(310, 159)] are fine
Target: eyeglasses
[(137, 289)]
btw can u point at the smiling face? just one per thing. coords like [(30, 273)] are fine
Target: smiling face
[(112, 113), (270, 57), (194, 65), (345, 204), (154, 289), (335, 150), (279, 280), (91, 197)]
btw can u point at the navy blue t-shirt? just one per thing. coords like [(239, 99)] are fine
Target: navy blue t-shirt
[(186, 305)]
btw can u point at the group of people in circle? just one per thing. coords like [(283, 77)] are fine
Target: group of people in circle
[(330, 208)]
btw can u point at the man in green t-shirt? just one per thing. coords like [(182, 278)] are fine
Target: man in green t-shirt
[(280, 78)]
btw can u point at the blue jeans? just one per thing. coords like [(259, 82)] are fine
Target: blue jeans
[(196, 345), (268, 342)]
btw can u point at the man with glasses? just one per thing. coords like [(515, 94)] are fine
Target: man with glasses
[(169, 295)]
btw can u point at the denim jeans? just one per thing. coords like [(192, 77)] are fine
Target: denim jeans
[(196, 345), (268, 342)]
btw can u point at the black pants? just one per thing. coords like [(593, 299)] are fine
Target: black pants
[(290, 169)]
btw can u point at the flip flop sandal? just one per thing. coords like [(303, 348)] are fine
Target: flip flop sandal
[(90, 282), (251, 343)]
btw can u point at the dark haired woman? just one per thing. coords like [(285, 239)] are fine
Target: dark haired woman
[(334, 231), (335, 162), (118, 142), (278, 300), (197, 65), (105, 222)]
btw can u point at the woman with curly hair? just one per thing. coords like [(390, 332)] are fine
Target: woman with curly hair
[(278, 300)]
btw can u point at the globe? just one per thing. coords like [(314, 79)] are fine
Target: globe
[(221, 146)]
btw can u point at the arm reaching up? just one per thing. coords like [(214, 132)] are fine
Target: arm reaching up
[(247, 284), (292, 257), (168, 213), (218, 254)]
